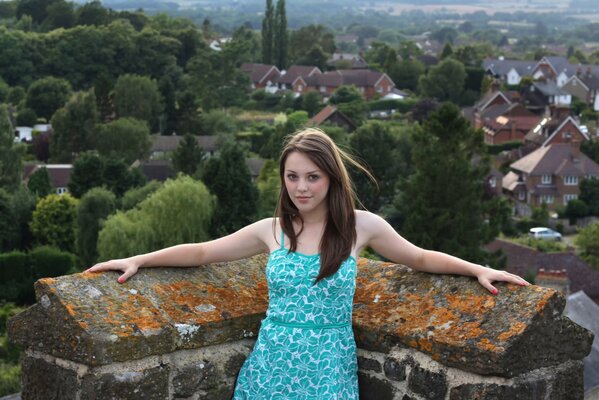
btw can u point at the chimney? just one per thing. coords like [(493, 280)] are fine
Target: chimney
[(554, 279)]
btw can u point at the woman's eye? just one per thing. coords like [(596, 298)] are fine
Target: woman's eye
[(313, 177), (291, 177)]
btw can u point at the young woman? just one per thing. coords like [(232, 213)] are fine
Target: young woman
[(305, 348)]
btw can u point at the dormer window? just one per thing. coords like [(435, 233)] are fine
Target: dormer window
[(567, 135), (571, 180), (546, 179)]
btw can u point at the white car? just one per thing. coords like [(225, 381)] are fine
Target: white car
[(544, 233)]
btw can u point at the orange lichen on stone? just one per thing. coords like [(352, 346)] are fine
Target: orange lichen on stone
[(48, 281), (413, 343), (458, 333), (425, 345), (470, 304), (514, 330), (486, 345), (540, 307), (70, 309), (135, 313), (182, 298)]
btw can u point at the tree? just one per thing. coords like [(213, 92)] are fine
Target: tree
[(36, 9), (10, 154), (588, 243), (125, 138), (53, 221), (179, 212), (74, 126), (575, 209), (39, 182), (311, 102), (445, 35), (308, 38), (134, 196), (23, 203), (47, 95), (269, 186), (406, 73), (26, 117), (442, 202), (59, 15), (228, 177), (446, 52), (375, 144), (281, 36), (188, 155), (95, 206), (445, 81), (88, 172), (350, 101), (6, 222), (589, 193), (92, 13), (138, 97), (118, 177), (268, 33)]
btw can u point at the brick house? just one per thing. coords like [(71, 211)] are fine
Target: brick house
[(555, 130), (584, 85), (60, 175), (549, 175), (262, 76), (294, 78), (332, 115), (368, 82), (505, 123)]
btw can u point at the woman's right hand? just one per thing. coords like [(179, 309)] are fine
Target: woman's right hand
[(126, 265)]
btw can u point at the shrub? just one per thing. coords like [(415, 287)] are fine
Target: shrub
[(48, 262)]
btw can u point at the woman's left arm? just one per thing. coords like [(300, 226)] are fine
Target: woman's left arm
[(383, 239)]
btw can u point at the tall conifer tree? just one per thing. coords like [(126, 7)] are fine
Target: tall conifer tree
[(268, 33), (280, 35), (442, 202)]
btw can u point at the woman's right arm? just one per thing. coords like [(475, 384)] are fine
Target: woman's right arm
[(244, 243)]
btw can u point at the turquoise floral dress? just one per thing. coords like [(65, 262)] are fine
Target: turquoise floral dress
[(305, 347)]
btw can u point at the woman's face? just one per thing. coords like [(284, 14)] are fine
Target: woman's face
[(306, 183)]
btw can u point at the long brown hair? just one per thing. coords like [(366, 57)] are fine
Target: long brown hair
[(339, 234)]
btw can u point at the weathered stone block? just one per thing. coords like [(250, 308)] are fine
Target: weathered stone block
[(395, 369), (189, 379), (523, 391), (234, 363), (372, 388), (369, 364), (146, 384), (458, 323), (44, 380), (431, 385), (568, 382)]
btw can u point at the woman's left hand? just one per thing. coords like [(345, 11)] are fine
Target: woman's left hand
[(489, 275)]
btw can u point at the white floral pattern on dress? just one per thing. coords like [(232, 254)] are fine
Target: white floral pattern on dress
[(300, 362)]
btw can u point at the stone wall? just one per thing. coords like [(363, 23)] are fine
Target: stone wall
[(183, 333)]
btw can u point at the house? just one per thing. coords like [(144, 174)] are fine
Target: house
[(493, 98), (217, 44), (332, 115), (25, 133), (60, 175), (368, 82), (294, 78), (164, 144), (262, 76), (155, 170), (346, 61), (584, 85), (549, 175), (526, 262), (508, 71), (555, 130), (555, 68), (506, 123), (540, 95), (255, 166)]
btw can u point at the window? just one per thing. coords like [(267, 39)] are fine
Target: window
[(323, 88), (568, 197), (567, 135), (570, 180), (300, 88), (61, 190), (493, 182), (521, 195), (547, 199), (546, 179), (379, 89)]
